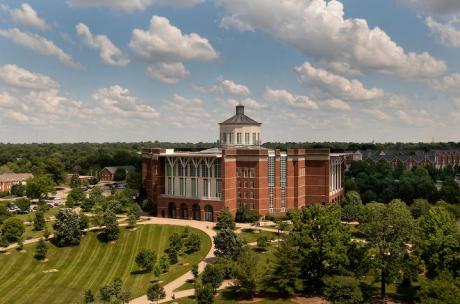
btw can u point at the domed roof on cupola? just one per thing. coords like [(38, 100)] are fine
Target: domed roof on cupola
[(240, 118)]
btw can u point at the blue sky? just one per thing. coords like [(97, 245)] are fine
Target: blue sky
[(309, 70)]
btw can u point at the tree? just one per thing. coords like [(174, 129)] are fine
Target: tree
[(67, 228), (284, 275), (388, 230), (84, 221), (193, 243), (39, 186), (145, 259), (352, 207), (75, 181), (323, 241), (439, 242), (20, 244), (227, 244), (111, 230), (120, 174), (342, 290), (155, 292), (247, 273), (132, 217), (172, 255), (419, 208), (204, 294), (164, 263), (75, 197), (39, 221), (157, 270), (114, 292), (195, 271), (55, 168), (439, 291), (23, 204), (18, 189), (263, 242), (212, 275), (12, 229), (89, 296), (225, 220), (450, 191), (41, 250)]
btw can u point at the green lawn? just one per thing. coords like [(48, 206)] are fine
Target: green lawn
[(250, 236), (228, 296), (90, 265)]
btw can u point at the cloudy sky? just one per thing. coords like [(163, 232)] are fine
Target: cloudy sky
[(169, 70)]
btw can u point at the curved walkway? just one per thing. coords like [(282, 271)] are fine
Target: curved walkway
[(169, 288)]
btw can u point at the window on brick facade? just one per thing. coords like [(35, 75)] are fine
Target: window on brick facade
[(219, 188), (194, 188), (252, 172), (205, 187)]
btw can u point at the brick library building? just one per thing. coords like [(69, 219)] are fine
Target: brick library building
[(238, 174)]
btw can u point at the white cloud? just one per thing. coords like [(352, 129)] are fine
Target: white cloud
[(377, 114), (6, 100), (448, 33), (249, 103), (39, 44), (336, 85), (28, 16), (336, 105), (168, 73), (17, 116), (283, 96), (117, 100), (318, 28), (457, 103), (224, 87), (440, 7), (134, 5), (449, 83), (186, 112), (163, 42), (22, 78), (108, 52), (415, 118), (456, 116), (397, 102)]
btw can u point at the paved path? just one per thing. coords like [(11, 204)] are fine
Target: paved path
[(169, 288)]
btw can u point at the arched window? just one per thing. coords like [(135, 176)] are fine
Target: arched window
[(184, 212), (172, 210), (208, 213), (196, 210)]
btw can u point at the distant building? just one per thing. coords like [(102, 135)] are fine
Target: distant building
[(7, 180), (238, 174), (438, 158), (107, 174)]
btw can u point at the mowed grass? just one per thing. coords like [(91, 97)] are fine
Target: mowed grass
[(90, 265)]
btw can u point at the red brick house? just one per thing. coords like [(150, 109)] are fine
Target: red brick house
[(7, 180), (107, 174), (239, 173)]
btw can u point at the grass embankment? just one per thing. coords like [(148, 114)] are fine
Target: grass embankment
[(251, 235), (92, 264)]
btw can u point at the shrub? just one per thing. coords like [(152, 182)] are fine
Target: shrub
[(263, 242), (438, 291), (192, 243), (12, 229), (145, 259), (225, 220), (41, 250), (342, 289), (204, 294), (212, 275), (67, 228)]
